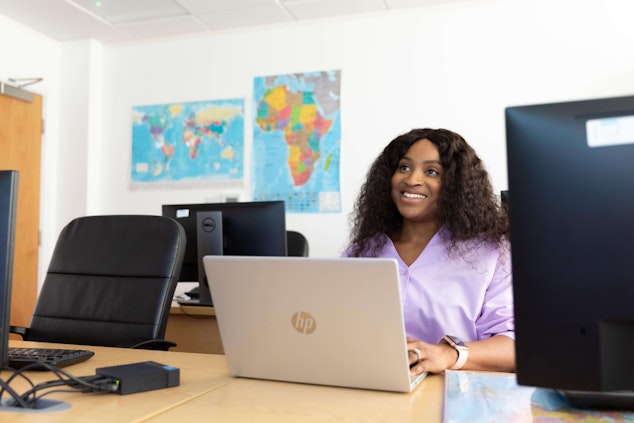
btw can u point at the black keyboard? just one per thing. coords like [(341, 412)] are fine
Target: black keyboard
[(58, 357)]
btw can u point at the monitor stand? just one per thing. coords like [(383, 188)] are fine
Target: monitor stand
[(616, 344), (210, 243), (615, 400)]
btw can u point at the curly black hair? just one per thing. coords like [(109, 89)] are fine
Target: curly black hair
[(467, 206)]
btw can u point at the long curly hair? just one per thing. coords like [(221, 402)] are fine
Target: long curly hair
[(467, 206)]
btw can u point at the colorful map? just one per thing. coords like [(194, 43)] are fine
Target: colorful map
[(296, 140), (485, 397), (194, 143)]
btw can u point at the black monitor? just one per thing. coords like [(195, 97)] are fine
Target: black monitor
[(8, 207), (504, 200), (571, 174), (255, 228)]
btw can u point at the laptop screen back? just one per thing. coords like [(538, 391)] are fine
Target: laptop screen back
[(334, 322)]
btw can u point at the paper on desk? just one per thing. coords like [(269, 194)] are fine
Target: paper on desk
[(486, 397)]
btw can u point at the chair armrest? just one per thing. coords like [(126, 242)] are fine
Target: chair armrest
[(20, 330), (152, 344)]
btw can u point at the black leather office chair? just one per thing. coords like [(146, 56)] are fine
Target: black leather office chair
[(110, 282), (296, 244)]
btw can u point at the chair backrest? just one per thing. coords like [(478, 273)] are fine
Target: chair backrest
[(296, 244), (110, 281)]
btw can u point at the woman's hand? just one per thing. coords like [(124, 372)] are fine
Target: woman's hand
[(434, 358), (492, 354)]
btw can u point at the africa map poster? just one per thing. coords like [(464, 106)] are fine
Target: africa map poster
[(188, 144), (296, 140)]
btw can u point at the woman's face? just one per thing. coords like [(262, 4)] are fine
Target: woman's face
[(416, 183)]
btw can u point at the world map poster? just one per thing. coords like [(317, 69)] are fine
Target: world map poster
[(296, 141), (188, 144)]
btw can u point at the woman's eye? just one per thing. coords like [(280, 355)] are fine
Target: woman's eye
[(432, 172), (403, 167)]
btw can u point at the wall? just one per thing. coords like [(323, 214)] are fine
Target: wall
[(454, 67), (28, 54), (442, 66)]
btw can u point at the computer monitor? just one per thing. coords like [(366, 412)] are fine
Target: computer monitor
[(571, 175), (255, 228), (504, 200), (8, 207)]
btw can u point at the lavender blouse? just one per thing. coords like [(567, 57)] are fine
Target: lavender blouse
[(467, 294)]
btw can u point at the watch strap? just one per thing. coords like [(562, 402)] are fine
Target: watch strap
[(463, 350)]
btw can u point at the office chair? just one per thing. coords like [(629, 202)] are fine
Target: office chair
[(110, 282), (296, 244)]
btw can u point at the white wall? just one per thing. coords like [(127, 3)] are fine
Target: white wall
[(28, 54), (443, 66)]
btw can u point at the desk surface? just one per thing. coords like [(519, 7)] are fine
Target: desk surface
[(207, 391), (199, 373), (192, 310), (266, 401), (194, 329)]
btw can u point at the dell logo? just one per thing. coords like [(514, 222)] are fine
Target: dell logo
[(208, 224), (303, 322)]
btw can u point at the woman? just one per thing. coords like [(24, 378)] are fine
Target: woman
[(428, 203)]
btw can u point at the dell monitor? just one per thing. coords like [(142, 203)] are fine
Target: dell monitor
[(255, 228), (571, 174), (8, 208)]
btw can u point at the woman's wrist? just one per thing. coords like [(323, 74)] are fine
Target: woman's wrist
[(460, 348)]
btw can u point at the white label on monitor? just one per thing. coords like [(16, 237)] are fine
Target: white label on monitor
[(180, 213), (610, 131)]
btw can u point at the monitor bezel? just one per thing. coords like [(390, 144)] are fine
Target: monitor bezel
[(8, 217)]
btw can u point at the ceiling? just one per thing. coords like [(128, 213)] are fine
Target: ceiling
[(110, 21)]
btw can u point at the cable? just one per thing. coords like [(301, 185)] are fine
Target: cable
[(14, 395), (28, 399)]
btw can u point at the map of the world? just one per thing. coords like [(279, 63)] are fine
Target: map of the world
[(296, 140), (195, 143), (485, 397)]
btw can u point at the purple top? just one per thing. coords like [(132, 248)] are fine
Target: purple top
[(466, 295)]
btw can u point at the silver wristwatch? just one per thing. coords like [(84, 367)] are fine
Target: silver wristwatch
[(458, 345)]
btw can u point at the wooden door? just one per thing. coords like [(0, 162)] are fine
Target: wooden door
[(21, 150)]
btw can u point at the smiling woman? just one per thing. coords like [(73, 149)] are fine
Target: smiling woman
[(429, 204), (416, 186)]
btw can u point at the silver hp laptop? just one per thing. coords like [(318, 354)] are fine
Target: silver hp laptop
[(334, 322)]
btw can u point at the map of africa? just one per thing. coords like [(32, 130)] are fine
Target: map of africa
[(296, 140), (188, 143)]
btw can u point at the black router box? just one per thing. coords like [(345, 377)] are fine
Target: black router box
[(141, 377)]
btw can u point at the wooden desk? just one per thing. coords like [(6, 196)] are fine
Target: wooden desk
[(194, 329), (199, 373), (267, 401), (208, 393)]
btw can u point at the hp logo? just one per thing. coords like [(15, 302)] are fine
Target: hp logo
[(303, 322)]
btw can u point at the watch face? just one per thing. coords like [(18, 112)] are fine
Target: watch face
[(457, 342)]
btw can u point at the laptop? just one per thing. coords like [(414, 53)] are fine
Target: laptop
[(325, 321)]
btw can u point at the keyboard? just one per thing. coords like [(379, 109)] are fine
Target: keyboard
[(58, 357)]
